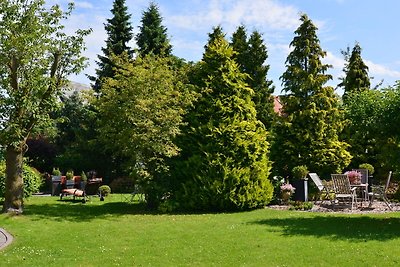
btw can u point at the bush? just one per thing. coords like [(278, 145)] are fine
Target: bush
[(299, 172), (32, 179), (70, 175), (299, 205), (104, 190), (369, 167)]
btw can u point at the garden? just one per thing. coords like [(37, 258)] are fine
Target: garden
[(114, 233)]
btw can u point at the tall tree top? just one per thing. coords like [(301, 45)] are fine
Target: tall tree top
[(119, 30), (152, 36), (304, 66), (356, 72)]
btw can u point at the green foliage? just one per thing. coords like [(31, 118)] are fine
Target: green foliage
[(56, 172), (83, 177), (373, 132), (308, 134), (152, 37), (300, 205), (119, 34), (104, 190), (223, 163), (299, 172), (356, 79), (251, 55), (70, 175), (367, 166), (141, 113), (37, 57), (32, 180)]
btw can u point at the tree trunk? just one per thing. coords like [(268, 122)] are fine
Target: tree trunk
[(14, 186)]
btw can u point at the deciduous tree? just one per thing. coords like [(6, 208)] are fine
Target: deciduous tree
[(141, 109), (36, 59)]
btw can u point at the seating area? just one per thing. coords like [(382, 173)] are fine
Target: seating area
[(78, 188), (346, 190)]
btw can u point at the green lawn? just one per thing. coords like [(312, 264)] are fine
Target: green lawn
[(112, 233)]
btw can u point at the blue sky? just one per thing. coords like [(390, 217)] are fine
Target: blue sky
[(340, 22)]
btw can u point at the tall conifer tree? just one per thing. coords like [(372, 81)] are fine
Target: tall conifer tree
[(119, 31), (309, 132), (223, 163), (251, 56), (152, 36), (356, 72)]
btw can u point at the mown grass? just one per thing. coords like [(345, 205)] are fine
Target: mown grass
[(113, 233)]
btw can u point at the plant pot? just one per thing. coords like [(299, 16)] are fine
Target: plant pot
[(286, 196)]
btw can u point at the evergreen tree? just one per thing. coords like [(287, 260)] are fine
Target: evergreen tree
[(241, 47), (309, 132), (223, 163), (119, 31), (356, 72), (152, 36), (251, 56)]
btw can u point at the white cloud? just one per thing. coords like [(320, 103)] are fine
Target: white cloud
[(381, 70), (268, 13), (83, 4)]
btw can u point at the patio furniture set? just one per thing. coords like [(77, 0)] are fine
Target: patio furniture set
[(342, 190)]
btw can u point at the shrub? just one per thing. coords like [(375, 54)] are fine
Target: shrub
[(70, 175), (83, 177), (56, 172), (299, 172), (369, 167), (300, 205), (104, 190), (32, 179)]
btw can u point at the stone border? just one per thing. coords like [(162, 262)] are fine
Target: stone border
[(5, 238)]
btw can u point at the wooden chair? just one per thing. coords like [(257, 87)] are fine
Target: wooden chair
[(343, 190), (379, 191), (323, 189)]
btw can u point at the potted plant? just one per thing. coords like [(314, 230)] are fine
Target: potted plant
[(286, 191), (56, 182), (300, 172), (83, 180), (300, 182), (354, 177), (70, 179), (367, 166)]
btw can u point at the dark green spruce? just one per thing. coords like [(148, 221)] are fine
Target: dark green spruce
[(119, 31), (251, 56), (356, 78), (152, 36)]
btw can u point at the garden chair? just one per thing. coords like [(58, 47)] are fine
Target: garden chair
[(136, 194), (321, 185), (343, 190), (364, 182), (379, 191)]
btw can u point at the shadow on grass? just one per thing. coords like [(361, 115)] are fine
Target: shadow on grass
[(70, 210), (358, 229)]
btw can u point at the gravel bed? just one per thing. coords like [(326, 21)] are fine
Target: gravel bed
[(362, 208)]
